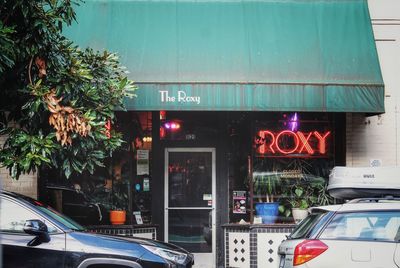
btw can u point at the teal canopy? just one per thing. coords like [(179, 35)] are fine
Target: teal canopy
[(248, 55)]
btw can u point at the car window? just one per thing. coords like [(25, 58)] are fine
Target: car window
[(69, 223), (374, 225), (73, 197), (305, 226), (13, 217)]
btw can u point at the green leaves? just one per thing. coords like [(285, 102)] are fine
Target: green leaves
[(268, 184), (306, 193), (23, 153), (299, 192), (93, 84), (7, 52)]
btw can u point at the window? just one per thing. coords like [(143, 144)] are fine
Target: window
[(293, 154), (14, 216), (374, 225), (305, 227)]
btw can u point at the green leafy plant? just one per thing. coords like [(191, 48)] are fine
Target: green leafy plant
[(307, 192), (302, 197), (119, 195), (55, 98), (266, 184)]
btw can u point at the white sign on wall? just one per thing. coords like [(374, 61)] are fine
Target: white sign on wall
[(142, 162)]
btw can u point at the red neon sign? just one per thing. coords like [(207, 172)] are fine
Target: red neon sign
[(108, 128), (288, 143)]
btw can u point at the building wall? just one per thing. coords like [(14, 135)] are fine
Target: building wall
[(378, 137), (26, 184), (368, 138)]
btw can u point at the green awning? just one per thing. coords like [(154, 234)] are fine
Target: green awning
[(265, 55)]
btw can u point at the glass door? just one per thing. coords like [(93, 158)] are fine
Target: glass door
[(190, 202)]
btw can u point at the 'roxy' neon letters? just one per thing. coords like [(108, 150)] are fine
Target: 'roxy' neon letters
[(288, 142)]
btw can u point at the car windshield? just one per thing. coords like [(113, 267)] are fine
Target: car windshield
[(305, 226), (57, 217)]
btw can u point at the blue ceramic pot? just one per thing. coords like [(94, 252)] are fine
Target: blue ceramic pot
[(267, 211)]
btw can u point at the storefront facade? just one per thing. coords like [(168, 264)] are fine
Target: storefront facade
[(238, 101)]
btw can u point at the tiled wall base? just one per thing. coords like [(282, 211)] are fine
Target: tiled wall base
[(255, 246), (239, 254), (267, 249)]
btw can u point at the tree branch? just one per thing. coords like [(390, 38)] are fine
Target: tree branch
[(29, 71)]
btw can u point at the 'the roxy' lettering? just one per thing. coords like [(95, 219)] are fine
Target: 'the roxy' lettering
[(182, 97)]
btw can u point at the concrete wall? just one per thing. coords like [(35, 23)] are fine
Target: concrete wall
[(378, 137), (26, 184)]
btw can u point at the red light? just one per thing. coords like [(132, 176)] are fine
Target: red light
[(322, 141), (163, 115), (263, 134), (38, 203), (288, 133), (305, 140), (308, 250), (311, 144), (108, 128), (162, 132)]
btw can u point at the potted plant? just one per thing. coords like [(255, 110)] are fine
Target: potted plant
[(120, 201), (309, 191), (117, 217), (301, 201), (266, 186)]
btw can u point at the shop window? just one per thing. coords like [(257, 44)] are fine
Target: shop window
[(123, 184), (283, 188), (188, 126), (293, 154), (285, 165)]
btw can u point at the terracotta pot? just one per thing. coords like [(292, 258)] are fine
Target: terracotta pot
[(117, 217)]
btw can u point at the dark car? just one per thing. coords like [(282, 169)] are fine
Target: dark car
[(35, 235)]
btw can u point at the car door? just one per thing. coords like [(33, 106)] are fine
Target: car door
[(397, 255), (16, 251)]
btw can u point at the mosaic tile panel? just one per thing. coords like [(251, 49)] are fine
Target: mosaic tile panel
[(267, 249), (239, 250)]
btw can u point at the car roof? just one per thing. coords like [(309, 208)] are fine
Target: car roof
[(361, 206), (17, 196)]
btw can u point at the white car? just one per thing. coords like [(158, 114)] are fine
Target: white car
[(363, 233)]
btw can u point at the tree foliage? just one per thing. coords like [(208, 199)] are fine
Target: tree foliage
[(55, 98)]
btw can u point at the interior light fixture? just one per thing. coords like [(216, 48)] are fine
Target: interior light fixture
[(172, 125)]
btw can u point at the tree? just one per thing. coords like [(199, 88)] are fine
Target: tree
[(55, 98)]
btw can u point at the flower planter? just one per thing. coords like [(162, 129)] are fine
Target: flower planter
[(299, 214), (117, 217), (267, 211)]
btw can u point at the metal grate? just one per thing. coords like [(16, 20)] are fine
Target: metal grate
[(147, 232)]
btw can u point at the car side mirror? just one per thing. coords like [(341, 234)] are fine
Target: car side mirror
[(39, 230)]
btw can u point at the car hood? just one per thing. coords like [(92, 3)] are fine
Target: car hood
[(142, 241), (115, 245)]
